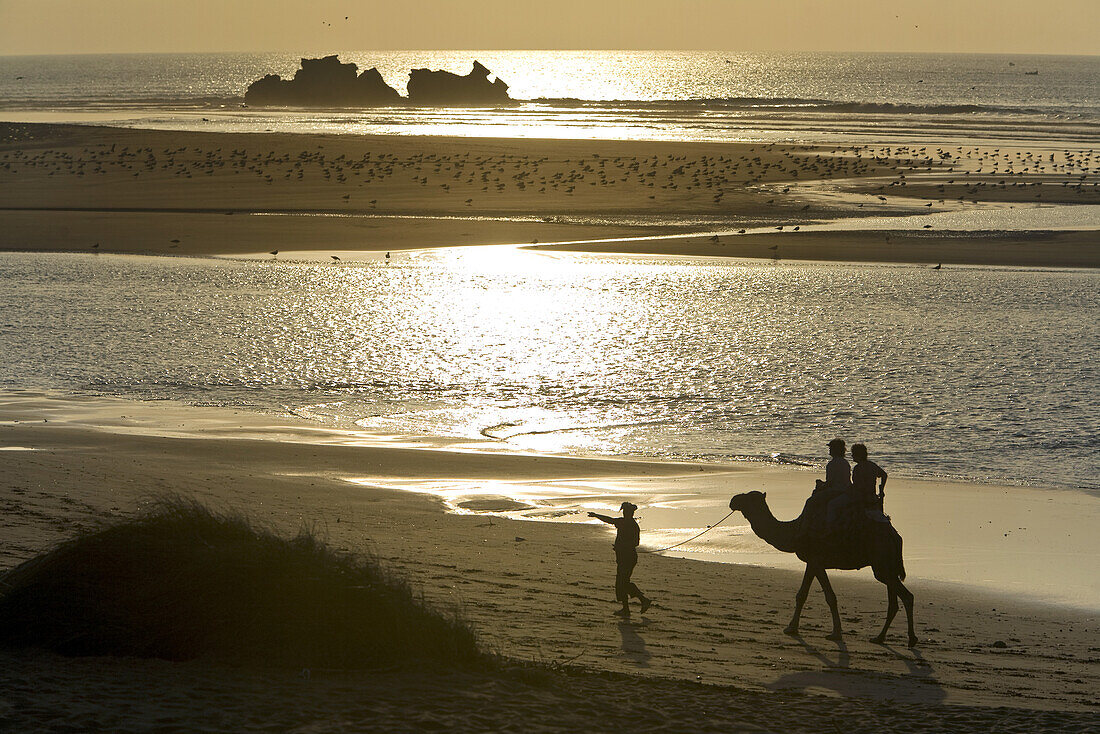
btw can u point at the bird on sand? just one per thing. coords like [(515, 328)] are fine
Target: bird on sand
[(335, 258), (937, 267), (274, 253)]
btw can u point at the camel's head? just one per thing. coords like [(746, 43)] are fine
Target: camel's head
[(748, 501)]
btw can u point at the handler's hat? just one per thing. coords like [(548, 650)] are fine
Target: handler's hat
[(628, 506)]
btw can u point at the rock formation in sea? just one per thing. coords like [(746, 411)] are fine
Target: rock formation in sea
[(428, 87), (323, 82)]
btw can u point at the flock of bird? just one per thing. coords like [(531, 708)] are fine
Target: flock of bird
[(484, 173), (767, 174), (704, 180)]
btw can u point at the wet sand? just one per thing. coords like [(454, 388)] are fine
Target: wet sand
[(534, 591), (1020, 249), (189, 193)]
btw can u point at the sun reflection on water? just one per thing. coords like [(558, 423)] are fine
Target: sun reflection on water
[(677, 359)]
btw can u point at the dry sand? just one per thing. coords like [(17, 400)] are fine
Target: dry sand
[(164, 192), (533, 591)]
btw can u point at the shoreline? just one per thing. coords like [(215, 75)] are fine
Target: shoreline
[(720, 622), (678, 499)]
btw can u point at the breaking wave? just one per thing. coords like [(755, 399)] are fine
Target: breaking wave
[(681, 106), (799, 104)]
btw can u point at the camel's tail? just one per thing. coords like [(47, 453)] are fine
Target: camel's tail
[(901, 561)]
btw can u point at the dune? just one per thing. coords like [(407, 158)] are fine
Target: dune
[(180, 582)]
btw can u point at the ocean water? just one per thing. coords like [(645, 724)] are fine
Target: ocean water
[(599, 94), (976, 374)]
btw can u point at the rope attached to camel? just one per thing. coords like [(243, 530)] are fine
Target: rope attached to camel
[(682, 542)]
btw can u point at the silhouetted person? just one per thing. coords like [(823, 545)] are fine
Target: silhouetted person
[(838, 473), (838, 481), (864, 476), (627, 537)]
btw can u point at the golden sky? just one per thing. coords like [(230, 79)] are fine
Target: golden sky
[(977, 26)]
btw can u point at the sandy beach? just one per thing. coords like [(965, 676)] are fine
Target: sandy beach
[(711, 654), (78, 188), (533, 591)]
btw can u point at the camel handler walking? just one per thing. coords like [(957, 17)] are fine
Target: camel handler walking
[(627, 537)]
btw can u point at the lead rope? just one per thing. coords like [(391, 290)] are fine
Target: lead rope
[(682, 542)]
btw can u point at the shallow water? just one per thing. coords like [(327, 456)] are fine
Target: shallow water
[(984, 374)]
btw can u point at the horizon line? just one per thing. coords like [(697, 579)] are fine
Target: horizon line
[(560, 50)]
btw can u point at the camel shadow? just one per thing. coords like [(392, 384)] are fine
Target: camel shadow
[(918, 685), (843, 657), (632, 643)]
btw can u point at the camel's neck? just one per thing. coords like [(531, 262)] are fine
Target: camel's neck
[(776, 533)]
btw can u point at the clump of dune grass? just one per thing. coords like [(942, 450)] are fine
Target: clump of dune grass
[(182, 581)]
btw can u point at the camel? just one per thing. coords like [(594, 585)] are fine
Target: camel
[(880, 549)]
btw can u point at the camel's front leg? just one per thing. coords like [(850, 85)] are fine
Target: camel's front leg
[(800, 600), (830, 599)]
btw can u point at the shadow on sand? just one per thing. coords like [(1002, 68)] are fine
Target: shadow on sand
[(632, 643), (918, 685)]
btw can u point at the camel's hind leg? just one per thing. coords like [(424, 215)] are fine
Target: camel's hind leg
[(891, 611), (907, 600), (800, 601), (830, 599), (895, 588)]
